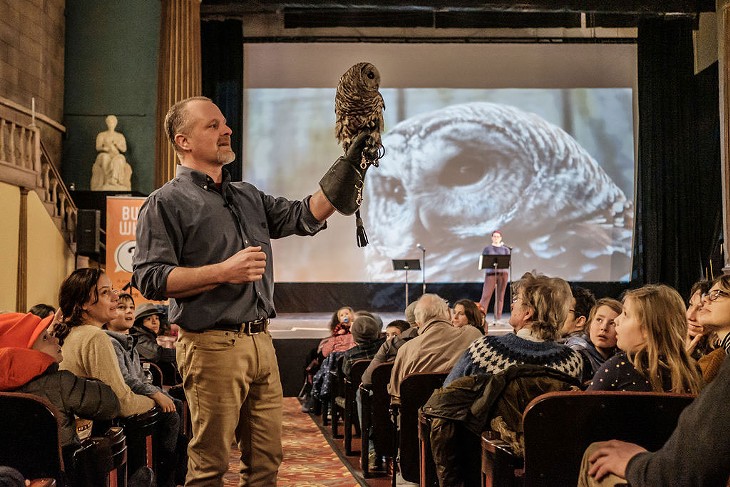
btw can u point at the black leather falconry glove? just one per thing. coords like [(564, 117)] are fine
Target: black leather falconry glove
[(343, 183)]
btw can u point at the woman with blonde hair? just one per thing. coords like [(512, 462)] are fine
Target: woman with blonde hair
[(651, 332)]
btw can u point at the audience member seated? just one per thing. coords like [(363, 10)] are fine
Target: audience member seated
[(714, 316), (397, 333), (410, 313), (437, 346), (42, 310), (650, 332), (699, 341), (578, 314), (129, 359), (29, 359), (365, 331), (598, 344), (696, 454), (10, 477), (146, 330), (340, 338), (539, 307), (88, 301), (133, 373), (466, 312)]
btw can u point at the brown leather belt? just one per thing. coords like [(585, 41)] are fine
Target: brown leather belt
[(248, 327)]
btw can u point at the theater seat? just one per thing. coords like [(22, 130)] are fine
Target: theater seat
[(139, 430), (29, 437), (414, 392), (102, 461), (644, 418), (375, 421)]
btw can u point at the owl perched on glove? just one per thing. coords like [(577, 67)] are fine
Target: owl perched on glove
[(359, 107)]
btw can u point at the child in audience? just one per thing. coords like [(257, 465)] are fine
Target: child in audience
[(146, 329), (88, 301), (650, 331), (598, 343), (29, 359), (340, 338), (128, 357), (397, 333), (42, 310), (575, 325)]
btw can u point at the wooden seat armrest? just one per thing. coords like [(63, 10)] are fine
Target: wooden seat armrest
[(500, 465), (492, 443), (42, 483)]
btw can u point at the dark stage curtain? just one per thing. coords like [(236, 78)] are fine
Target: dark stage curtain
[(678, 193), (222, 71)]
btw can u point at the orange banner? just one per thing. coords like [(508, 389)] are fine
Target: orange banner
[(121, 226)]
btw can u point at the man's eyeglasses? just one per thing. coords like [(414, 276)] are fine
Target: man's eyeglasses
[(714, 294)]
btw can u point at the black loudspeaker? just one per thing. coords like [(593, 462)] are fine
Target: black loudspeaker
[(88, 225)]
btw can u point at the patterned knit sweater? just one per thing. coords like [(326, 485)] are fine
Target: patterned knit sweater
[(492, 354)]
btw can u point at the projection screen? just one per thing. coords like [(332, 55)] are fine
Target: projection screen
[(536, 140)]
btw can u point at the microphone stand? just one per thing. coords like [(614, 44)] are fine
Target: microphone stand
[(511, 291), (423, 270)]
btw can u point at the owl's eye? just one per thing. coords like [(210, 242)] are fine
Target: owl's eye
[(394, 188), (462, 172), (371, 75)]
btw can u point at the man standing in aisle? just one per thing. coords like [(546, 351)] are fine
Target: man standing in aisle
[(204, 242)]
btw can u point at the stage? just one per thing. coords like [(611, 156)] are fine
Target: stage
[(316, 325)]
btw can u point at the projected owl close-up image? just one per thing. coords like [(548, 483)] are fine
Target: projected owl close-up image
[(451, 176)]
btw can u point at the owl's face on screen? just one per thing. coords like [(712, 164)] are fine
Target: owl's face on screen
[(451, 176)]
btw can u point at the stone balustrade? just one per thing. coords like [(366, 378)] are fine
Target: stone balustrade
[(24, 162)]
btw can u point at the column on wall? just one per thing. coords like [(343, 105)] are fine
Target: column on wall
[(179, 73), (723, 45), (22, 281)]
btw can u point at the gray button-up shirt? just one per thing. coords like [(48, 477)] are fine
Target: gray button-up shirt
[(190, 223)]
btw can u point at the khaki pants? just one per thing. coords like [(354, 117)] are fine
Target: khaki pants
[(232, 384), (585, 480)]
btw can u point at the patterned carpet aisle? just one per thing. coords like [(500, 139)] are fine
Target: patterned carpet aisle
[(308, 459)]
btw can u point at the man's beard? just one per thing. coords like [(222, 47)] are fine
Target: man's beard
[(226, 156)]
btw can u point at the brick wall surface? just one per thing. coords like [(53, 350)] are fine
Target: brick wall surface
[(32, 54)]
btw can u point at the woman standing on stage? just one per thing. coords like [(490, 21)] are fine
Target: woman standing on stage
[(495, 278)]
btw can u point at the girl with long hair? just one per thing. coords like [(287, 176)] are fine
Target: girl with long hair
[(651, 332)]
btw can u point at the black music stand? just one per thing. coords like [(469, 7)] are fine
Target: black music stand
[(494, 261), (406, 265)]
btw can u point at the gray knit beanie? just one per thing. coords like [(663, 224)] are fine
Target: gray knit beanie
[(365, 329)]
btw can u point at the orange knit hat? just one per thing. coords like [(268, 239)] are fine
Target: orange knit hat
[(21, 329)]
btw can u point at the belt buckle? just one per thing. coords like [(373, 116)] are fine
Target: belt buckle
[(247, 327)]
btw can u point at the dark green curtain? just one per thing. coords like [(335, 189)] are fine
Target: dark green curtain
[(678, 199), (222, 73)]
